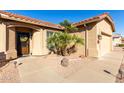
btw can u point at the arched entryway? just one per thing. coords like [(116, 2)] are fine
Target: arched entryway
[(19, 39), (25, 39)]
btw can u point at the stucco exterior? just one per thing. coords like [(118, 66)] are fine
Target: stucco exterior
[(96, 32), (96, 47), (92, 40), (37, 42), (11, 43), (2, 36), (105, 30)]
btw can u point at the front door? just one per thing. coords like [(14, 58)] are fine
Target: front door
[(22, 43)]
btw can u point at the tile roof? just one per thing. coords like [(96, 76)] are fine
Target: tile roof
[(96, 18), (91, 19), (21, 18), (12, 16)]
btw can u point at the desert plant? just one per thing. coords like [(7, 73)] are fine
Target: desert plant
[(62, 43), (68, 26), (121, 45)]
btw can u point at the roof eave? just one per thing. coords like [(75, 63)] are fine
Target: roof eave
[(29, 22), (98, 19), (86, 22), (112, 23)]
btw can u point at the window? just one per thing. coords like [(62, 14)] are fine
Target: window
[(49, 33)]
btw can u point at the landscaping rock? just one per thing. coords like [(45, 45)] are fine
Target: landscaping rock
[(65, 62)]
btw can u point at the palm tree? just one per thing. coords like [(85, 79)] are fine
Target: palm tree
[(76, 41), (63, 43), (53, 43), (68, 26), (58, 42)]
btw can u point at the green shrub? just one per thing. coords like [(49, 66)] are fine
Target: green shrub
[(121, 45), (63, 43)]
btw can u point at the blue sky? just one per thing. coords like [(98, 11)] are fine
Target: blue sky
[(57, 16)]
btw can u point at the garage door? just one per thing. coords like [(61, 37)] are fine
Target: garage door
[(105, 44)]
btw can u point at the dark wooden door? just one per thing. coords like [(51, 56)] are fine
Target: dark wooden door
[(22, 43), (25, 47)]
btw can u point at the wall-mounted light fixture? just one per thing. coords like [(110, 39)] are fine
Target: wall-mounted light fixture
[(99, 37)]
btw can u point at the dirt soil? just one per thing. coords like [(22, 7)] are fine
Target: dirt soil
[(9, 74)]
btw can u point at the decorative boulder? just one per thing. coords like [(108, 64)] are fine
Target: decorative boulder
[(65, 62)]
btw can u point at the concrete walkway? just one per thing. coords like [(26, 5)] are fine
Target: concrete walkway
[(89, 70)]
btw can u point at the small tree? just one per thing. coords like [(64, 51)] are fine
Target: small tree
[(68, 26), (76, 40), (63, 43)]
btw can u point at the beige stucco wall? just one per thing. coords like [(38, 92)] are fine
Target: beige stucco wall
[(11, 44), (7, 41), (39, 42), (97, 48), (105, 45), (92, 41), (44, 44), (2, 37), (104, 26)]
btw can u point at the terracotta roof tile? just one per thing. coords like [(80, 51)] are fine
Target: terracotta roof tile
[(51, 25), (99, 17), (31, 20)]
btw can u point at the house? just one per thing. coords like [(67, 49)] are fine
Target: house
[(21, 35), (117, 39), (97, 32)]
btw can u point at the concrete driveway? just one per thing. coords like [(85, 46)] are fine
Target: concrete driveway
[(90, 70)]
